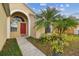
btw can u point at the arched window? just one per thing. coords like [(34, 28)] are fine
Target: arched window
[(14, 23)]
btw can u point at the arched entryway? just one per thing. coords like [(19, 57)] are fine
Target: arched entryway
[(18, 25)]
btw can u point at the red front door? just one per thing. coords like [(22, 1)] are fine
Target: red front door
[(23, 29)]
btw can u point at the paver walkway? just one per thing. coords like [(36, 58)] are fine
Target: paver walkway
[(27, 48)]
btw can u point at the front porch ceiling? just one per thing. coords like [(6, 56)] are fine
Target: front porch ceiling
[(21, 15)]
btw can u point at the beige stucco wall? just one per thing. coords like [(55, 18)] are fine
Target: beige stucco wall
[(19, 6), (32, 25), (39, 32), (3, 26)]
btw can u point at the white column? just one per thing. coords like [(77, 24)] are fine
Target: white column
[(8, 27), (29, 25)]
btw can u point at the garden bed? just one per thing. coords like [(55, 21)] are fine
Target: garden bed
[(71, 50)]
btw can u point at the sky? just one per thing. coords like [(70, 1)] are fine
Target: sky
[(68, 9)]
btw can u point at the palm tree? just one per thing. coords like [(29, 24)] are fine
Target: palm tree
[(64, 23), (59, 23), (46, 18)]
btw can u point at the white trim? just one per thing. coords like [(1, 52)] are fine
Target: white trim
[(29, 21)]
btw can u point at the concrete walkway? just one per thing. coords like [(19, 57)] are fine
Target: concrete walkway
[(27, 48)]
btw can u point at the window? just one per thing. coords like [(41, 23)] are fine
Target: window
[(13, 29), (14, 23)]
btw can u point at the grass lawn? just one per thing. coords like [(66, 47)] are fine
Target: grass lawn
[(71, 49), (11, 48)]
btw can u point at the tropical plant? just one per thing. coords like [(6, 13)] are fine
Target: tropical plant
[(46, 17), (59, 24)]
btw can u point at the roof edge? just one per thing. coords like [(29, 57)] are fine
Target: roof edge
[(29, 9)]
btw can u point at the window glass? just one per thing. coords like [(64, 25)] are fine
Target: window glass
[(14, 24)]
